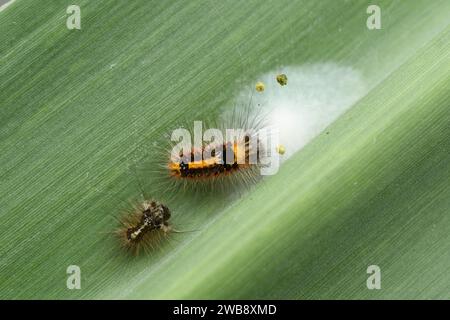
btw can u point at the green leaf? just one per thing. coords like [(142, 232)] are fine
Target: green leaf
[(79, 108)]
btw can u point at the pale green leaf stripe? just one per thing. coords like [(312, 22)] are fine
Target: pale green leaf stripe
[(374, 191)]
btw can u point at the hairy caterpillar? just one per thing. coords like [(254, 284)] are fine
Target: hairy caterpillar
[(145, 226), (213, 161), (230, 153)]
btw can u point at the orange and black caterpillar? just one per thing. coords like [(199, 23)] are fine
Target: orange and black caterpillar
[(222, 165), (217, 162), (145, 226), (226, 165)]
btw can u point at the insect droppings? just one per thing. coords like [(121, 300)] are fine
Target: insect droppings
[(282, 79), (281, 149), (260, 86)]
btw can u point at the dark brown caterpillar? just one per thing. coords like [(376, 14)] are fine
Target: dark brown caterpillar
[(145, 226)]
